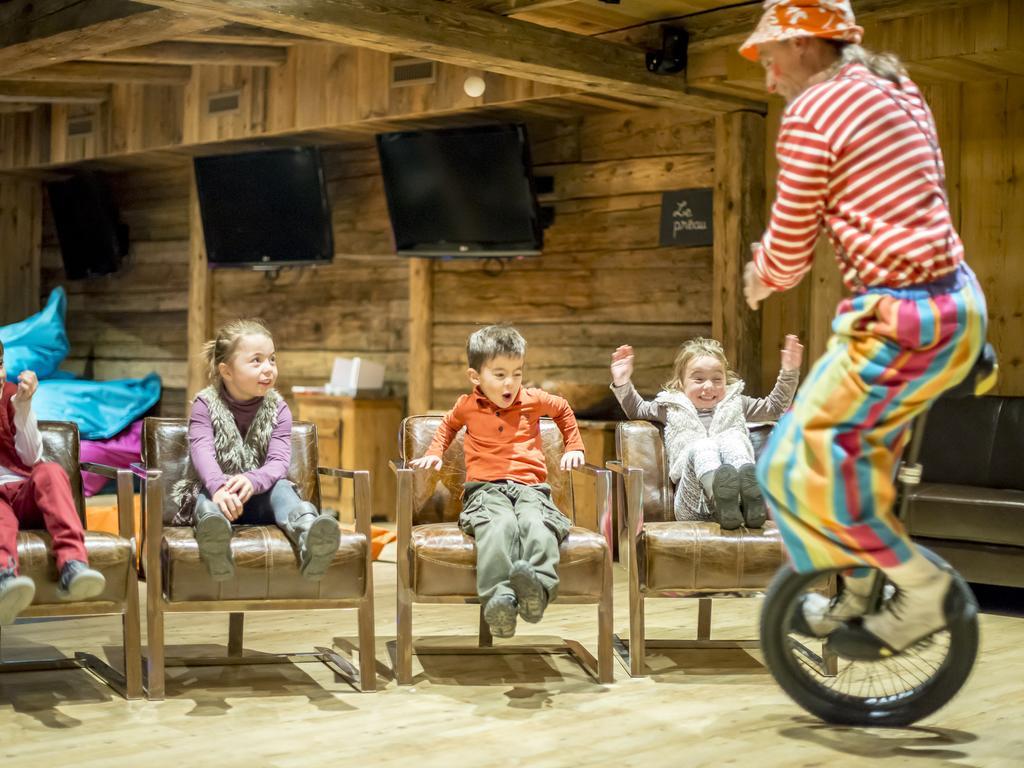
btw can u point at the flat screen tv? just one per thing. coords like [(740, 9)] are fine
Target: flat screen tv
[(265, 209), (461, 192), (93, 240)]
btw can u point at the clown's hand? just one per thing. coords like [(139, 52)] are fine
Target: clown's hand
[(754, 289)]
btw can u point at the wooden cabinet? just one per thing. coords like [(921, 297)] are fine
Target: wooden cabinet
[(355, 433)]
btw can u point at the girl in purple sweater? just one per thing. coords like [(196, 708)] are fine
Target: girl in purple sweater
[(240, 444)]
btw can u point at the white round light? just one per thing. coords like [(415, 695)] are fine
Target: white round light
[(474, 86)]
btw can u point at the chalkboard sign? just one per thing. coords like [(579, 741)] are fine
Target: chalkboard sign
[(686, 217)]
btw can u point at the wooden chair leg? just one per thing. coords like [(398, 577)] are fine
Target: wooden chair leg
[(403, 637), (704, 618), (486, 639), (367, 645), (155, 653), (236, 633), (605, 620), (637, 641), (131, 623)]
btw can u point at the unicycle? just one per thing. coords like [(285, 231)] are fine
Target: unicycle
[(893, 691)]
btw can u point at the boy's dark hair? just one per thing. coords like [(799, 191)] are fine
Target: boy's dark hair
[(494, 341), (1, 349)]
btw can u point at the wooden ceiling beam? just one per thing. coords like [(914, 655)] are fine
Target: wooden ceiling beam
[(244, 34), (173, 52), (52, 93), (38, 33), (7, 108), (733, 24), (470, 38), (106, 72)]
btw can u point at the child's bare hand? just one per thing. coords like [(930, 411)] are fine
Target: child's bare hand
[(622, 365), (228, 503), (427, 462), (241, 486), (572, 459), (792, 353), (28, 383)]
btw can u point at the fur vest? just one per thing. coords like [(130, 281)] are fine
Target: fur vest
[(235, 454)]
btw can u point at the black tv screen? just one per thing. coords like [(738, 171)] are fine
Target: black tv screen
[(93, 240), (461, 192), (265, 209)]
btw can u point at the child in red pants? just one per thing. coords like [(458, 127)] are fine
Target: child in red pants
[(33, 494)]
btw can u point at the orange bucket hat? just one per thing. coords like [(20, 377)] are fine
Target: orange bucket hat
[(786, 19)]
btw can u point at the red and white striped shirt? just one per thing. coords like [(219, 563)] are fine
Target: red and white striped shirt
[(858, 155)]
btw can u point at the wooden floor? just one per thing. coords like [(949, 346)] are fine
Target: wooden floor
[(696, 708)]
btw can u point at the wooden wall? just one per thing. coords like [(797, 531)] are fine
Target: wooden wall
[(603, 279), (20, 221), (318, 86), (132, 322), (357, 305)]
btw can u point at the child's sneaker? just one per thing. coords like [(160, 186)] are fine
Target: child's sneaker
[(79, 582), (500, 615), (726, 488), (754, 510), (530, 593), (16, 593)]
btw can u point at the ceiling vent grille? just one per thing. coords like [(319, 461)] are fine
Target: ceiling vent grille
[(222, 103), (81, 126), (406, 72)]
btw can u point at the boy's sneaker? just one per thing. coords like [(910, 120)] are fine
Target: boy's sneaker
[(530, 593), (79, 582), (16, 593), (213, 535), (725, 486), (500, 615), (754, 510)]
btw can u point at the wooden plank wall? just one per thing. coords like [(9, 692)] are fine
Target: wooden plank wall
[(20, 222), (603, 279), (132, 322), (357, 305)]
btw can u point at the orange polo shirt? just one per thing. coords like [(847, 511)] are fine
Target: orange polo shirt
[(504, 443)]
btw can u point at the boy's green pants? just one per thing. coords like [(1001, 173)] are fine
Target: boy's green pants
[(512, 521)]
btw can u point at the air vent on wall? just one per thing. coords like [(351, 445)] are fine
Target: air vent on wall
[(80, 126), (405, 72), (221, 103)]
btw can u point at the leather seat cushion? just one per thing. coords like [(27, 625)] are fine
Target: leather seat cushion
[(966, 513), (444, 562), (700, 556), (109, 554), (266, 567)]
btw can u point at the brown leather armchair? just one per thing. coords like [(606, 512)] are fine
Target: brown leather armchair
[(112, 555), (670, 558), (266, 577), (437, 561)]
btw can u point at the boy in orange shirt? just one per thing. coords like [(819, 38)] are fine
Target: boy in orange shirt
[(507, 504)]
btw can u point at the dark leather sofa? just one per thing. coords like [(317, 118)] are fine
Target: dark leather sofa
[(969, 507)]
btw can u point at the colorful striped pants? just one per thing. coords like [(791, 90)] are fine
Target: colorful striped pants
[(828, 469)]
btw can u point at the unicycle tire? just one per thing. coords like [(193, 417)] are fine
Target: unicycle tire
[(818, 693)]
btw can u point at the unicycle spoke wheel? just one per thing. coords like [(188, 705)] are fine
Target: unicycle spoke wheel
[(897, 690)]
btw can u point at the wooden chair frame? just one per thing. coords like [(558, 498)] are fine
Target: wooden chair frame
[(402, 649), (365, 678), (128, 681)]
